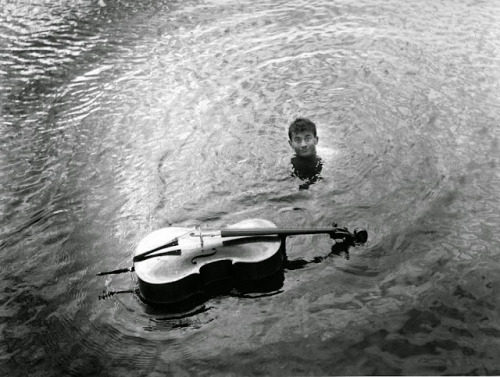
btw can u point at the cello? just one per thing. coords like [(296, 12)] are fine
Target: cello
[(172, 264)]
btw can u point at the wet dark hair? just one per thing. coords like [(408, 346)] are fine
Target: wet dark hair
[(301, 125)]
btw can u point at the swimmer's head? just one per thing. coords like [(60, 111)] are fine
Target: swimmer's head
[(303, 137)]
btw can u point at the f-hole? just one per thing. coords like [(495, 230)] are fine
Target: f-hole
[(193, 259)]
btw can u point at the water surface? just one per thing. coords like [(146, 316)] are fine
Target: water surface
[(121, 117)]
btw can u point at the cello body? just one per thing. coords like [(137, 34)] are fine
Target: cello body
[(199, 259)]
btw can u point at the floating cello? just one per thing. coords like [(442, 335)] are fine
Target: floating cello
[(175, 263)]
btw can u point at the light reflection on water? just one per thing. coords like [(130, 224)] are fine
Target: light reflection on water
[(121, 118)]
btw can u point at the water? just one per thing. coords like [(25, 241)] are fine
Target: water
[(120, 117)]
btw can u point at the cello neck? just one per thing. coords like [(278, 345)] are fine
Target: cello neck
[(282, 232)]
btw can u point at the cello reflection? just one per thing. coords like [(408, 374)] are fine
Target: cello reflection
[(232, 286), (245, 289), (190, 275)]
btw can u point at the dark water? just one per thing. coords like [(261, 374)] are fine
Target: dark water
[(120, 117)]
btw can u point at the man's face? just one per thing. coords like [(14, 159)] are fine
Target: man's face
[(304, 143)]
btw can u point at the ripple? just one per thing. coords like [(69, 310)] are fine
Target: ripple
[(120, 117)]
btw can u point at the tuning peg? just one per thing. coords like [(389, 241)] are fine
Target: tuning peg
[(360, 235)]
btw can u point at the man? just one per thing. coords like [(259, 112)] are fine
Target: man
[(306, 164)]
